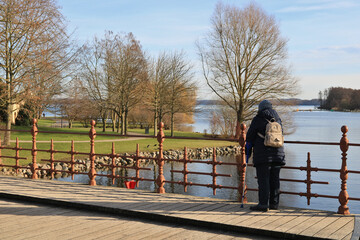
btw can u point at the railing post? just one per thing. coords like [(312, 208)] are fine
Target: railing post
[(52, 159), (34, 132), (137, 164), (92, 172), (241, 159), (185, 169), (214, 171), (343, 195), (113, 165), (17, 156), (160, 181), (0, 153), (308, 178), (72, 160)]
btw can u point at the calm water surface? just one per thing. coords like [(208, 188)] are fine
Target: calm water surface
[(321, 126)]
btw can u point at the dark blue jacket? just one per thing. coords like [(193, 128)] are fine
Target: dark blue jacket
[(263, 154)]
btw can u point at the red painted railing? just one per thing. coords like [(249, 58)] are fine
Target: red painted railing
[(344, 144)]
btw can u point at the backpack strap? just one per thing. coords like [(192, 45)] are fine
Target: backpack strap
[(269, 121)]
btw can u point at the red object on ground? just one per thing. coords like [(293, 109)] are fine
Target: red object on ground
[(130, 184)]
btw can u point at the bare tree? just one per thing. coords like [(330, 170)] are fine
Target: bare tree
[(244, 59), (159, 74), (95, 76), (127, 67), (181, 89), (33, 50)]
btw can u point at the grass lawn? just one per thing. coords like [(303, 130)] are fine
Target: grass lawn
[(129, 146)]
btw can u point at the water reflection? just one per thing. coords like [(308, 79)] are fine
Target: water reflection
[(296, 156)]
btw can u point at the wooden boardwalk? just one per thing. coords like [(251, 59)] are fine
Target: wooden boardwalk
[(181, 210)]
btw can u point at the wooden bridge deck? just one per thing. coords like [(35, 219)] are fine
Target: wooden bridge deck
[(183, 209)]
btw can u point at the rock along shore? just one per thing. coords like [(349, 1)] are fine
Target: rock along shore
[(126, 160)]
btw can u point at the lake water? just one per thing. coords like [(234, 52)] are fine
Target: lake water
[(310, 126)]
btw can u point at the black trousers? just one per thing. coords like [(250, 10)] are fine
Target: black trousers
[(269, 184)]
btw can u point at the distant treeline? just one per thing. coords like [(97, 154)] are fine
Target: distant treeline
[(292, 101), (338, 98)]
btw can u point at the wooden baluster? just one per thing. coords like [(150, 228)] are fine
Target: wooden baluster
[(52, 167), (113, 175), (17, 156), (214, 170), (72, 161), (160, 181), (0, 153), (92, 172), (343, 195), (308, 179), (137, 165), (241, 159), (34, 166), (185, 169)]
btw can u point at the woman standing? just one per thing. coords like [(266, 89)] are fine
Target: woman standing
[(267, 160)]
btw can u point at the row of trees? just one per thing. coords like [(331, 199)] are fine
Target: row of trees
[(35, 54), (338, 98), (243, 60), (119, 77), (40, 66)]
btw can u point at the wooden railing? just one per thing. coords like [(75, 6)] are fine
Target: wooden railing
[(240, 163)]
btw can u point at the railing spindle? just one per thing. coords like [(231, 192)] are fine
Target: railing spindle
[(92, 172), (308, 179), (72, 160), (343, 195), (160, 181), (34, 132), (52, 160), (185, 169), (242, 165), (17, 156), (214, 170), (137, 165)]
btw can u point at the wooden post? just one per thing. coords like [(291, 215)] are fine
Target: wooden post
[(34, 132), (214, 170), (241, 159), (113, 165), (0, 153), (160, 181), (137, 164), (343, 195), (92, 172), (52, 159), (185, 169), (17, 156), (72, 160), (308, 178)]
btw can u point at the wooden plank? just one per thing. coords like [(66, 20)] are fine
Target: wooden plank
[(335, 226), (345, 232), (314, 225)]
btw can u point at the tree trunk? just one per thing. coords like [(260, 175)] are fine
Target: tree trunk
[(8, 126), (113, 119), (126, 122), (123, 123), (172, 124), (155, 123), (70, 123), (104, 122)]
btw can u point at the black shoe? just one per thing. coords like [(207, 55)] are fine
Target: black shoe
[(259, 208), (273, 207)]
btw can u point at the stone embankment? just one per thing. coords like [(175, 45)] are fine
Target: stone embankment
[(84, 165)]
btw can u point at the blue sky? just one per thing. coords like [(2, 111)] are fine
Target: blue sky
[(324, 35)]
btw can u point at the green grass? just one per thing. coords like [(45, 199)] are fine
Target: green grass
[(128, 146)]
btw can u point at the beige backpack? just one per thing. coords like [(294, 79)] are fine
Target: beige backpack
[(273, 134)]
